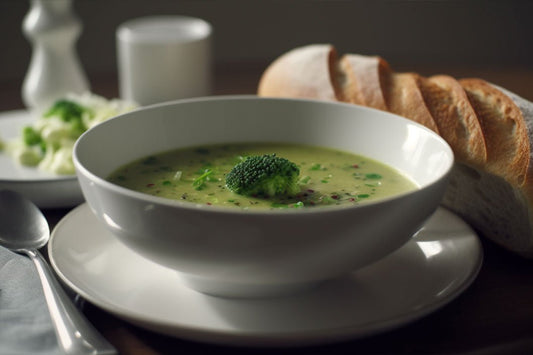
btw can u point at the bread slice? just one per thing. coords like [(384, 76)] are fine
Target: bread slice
[(404, 97), (504, 129), (311, 70), (365, 79), (455, 117)]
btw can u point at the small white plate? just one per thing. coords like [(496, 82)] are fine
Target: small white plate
[(46, 190), (431, 270)]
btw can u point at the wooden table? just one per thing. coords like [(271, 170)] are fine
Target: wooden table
[(493, 316)]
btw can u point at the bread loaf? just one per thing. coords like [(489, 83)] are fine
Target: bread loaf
[(372, 71), (489, 129)]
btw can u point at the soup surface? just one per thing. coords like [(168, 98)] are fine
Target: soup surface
[(327, 176)]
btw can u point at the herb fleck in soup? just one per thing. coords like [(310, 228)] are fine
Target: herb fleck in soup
[(327, 176)]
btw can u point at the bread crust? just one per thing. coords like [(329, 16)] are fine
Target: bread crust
[(404, 97), (526, 108), (309, 69), (456, 119), (503, 128)]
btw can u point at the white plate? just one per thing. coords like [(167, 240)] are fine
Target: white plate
[(424, 275), (46, 190)]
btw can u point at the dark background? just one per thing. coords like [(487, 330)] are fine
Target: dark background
[(466, 38)]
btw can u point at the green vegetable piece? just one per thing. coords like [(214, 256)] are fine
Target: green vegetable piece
[(66, 110), (373, 176), (30, 136), (317, 166), (304, 180), (70, 112), (199, 182), (265, 175), (77, 127), (30, 156), (327, 200)]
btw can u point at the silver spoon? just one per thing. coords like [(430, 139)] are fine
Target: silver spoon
[(24, 229)]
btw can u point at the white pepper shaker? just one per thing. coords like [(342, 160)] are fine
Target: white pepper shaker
[(55, 69)]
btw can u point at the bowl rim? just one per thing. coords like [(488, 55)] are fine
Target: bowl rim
[(204, 208)]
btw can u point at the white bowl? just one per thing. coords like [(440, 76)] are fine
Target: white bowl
[(230, 252)]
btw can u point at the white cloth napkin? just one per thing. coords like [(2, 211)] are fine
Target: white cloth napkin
[(25, 324)]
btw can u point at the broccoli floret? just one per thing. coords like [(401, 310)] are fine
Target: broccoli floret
[(71, 113), (265, 175), (66, 110), (30, 136)]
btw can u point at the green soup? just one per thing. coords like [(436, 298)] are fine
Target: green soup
[(327, 176)]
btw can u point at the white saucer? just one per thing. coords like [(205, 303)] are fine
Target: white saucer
[(424, 275), (44, 189)]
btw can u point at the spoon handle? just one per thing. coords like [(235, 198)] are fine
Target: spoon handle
[(75, 334)]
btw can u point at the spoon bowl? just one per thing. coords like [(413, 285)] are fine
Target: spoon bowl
[(24, 229), (22, 225)]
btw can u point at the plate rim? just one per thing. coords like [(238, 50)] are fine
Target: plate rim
[(240, 337)]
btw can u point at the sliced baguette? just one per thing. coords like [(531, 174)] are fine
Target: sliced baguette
[(489, 128), (455, 117), (371, 82)]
